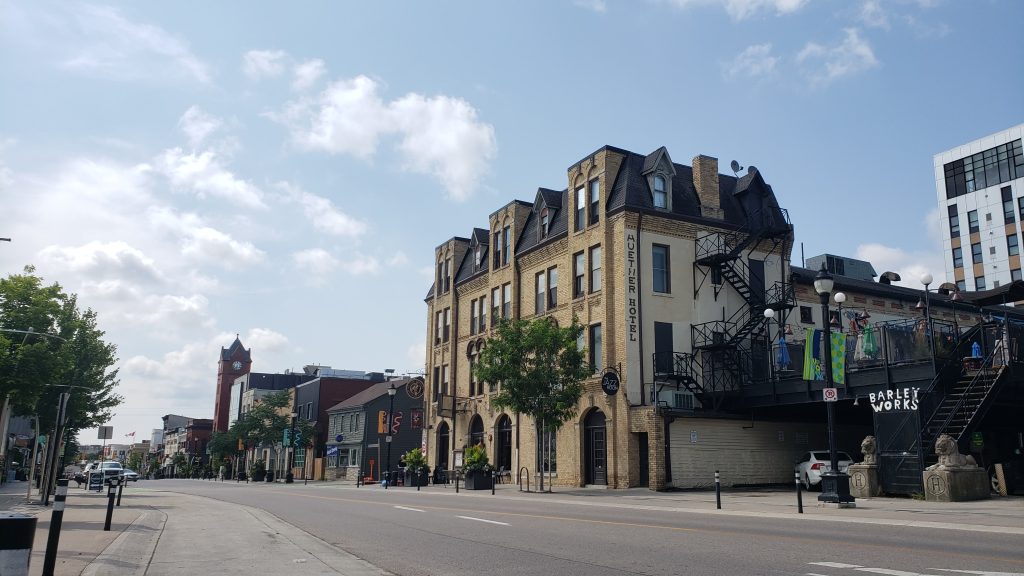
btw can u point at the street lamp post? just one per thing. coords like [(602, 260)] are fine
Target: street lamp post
[(926, 279), (391, 410), (835, 484), (839, 297), (289, 477)]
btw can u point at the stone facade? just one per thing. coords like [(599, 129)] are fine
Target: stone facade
[(622, 305)]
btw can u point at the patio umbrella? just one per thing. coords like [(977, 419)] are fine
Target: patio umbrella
[(782, 354)]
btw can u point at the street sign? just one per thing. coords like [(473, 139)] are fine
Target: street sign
[(610, 382), (105, 433), (830, 394)]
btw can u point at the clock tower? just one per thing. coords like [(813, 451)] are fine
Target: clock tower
[(235, 361)]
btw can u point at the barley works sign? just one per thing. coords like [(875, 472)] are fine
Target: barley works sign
[(891, 400)]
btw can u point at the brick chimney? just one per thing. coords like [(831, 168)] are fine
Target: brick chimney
[(705, 181)]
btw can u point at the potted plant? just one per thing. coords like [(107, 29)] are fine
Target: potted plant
[(477, 468), (416, 465), (259, 470)]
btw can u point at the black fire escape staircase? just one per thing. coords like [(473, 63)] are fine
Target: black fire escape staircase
[(724, 346)]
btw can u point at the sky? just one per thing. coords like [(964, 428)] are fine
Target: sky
[(284, 171)]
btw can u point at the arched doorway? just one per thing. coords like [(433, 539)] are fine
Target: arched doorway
[(476, 431), (595, 455), (443, 446), (503, 443)]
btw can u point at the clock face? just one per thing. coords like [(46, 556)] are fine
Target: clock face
[(237, 365), (414, 389)]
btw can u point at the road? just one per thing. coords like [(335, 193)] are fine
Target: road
[(419, 533)]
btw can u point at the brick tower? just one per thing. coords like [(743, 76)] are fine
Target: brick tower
[(235, 361)]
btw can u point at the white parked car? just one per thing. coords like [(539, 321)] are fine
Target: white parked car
[(813, 464), (130, 475)]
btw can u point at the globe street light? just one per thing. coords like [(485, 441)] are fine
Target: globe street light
[(840, 297), (835, 484), (391, 409)]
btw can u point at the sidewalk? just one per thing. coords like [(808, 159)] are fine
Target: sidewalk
[(152, 528)]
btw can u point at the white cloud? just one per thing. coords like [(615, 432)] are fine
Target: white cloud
[(267, 341), (307, 73), (197, 125), (873, 14), (99, 260), (440, 135), (742, 9), (202, 173), (416, 355), (362, 264), (322, 213), (595, 5), (399, 259), (823, 64), (910, 265), (202, 243), (105, 43), (754, 61), (258, 64), (316, 263)]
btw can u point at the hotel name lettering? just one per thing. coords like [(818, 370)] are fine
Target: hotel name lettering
[(632, 291)]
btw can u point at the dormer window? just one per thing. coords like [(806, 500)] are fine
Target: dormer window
[(479, 256), (545, 223), (660, 193)]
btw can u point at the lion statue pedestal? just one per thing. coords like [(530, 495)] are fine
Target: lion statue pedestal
[(955, 478), (864, 475)]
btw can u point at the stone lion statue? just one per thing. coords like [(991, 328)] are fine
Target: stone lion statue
[(868, 449), (949, 455)]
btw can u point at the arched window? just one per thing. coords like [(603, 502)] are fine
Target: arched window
[(476, 431)]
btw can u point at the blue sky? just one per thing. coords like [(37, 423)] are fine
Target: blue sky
[(284, 171)]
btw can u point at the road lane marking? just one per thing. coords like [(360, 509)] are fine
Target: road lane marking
[(409, 509), (834, 565), (482, 520)]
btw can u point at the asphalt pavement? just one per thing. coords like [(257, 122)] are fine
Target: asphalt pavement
[(163, 531)]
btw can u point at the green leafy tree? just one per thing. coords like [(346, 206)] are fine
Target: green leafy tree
[(49, 346), (539, 368), (265, 423)]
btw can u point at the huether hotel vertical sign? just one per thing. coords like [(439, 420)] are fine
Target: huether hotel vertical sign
[(632, 336)]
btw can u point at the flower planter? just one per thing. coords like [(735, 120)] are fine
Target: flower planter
[(478, 480), (258, 476)]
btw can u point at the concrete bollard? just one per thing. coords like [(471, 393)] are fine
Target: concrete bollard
[(718, 490), (17, 531)]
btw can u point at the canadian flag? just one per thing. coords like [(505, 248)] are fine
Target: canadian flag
[(132, 434)]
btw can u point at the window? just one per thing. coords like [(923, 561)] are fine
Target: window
[(447, 323), (545, 223), (958, 257), (447, 274), (682, 400), (954, 222), (972, 221), (495, 306), (595, 347), (506, 239), (961, 285), (979, 283), (483, 313), (595, 201), (835, 265), (1009, 217), (444, 380), (478, 258), (1015, 274), (805, 315), (577, 273), (1020, 207), (547, 451), (438, 326), (581, 208), (309, 411), (1011, 245), (659, 263), (506, 305), (497, 250), (552, 287), (989, 168), (660, 196), (541, 293), (595, 269), (473, 316), (976, 253), (439, 282), (437, 382)]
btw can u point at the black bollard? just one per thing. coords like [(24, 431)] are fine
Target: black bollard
[(17, 531), (120, 489), (493, 478), (359, 478), (456, 481), (419, 478), (111, 495), (799, 495), (56, 519), (718, 490)]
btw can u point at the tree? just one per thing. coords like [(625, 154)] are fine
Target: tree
[(539, 367), (49, 346)]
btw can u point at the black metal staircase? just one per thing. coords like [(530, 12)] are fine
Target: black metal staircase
[(963, 406)]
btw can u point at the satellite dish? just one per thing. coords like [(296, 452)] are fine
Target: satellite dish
[(735, 167)]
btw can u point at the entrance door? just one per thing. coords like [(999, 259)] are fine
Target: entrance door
[(645, 476), (443, 446), (503, 446), (756, 279), (596, 449)]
